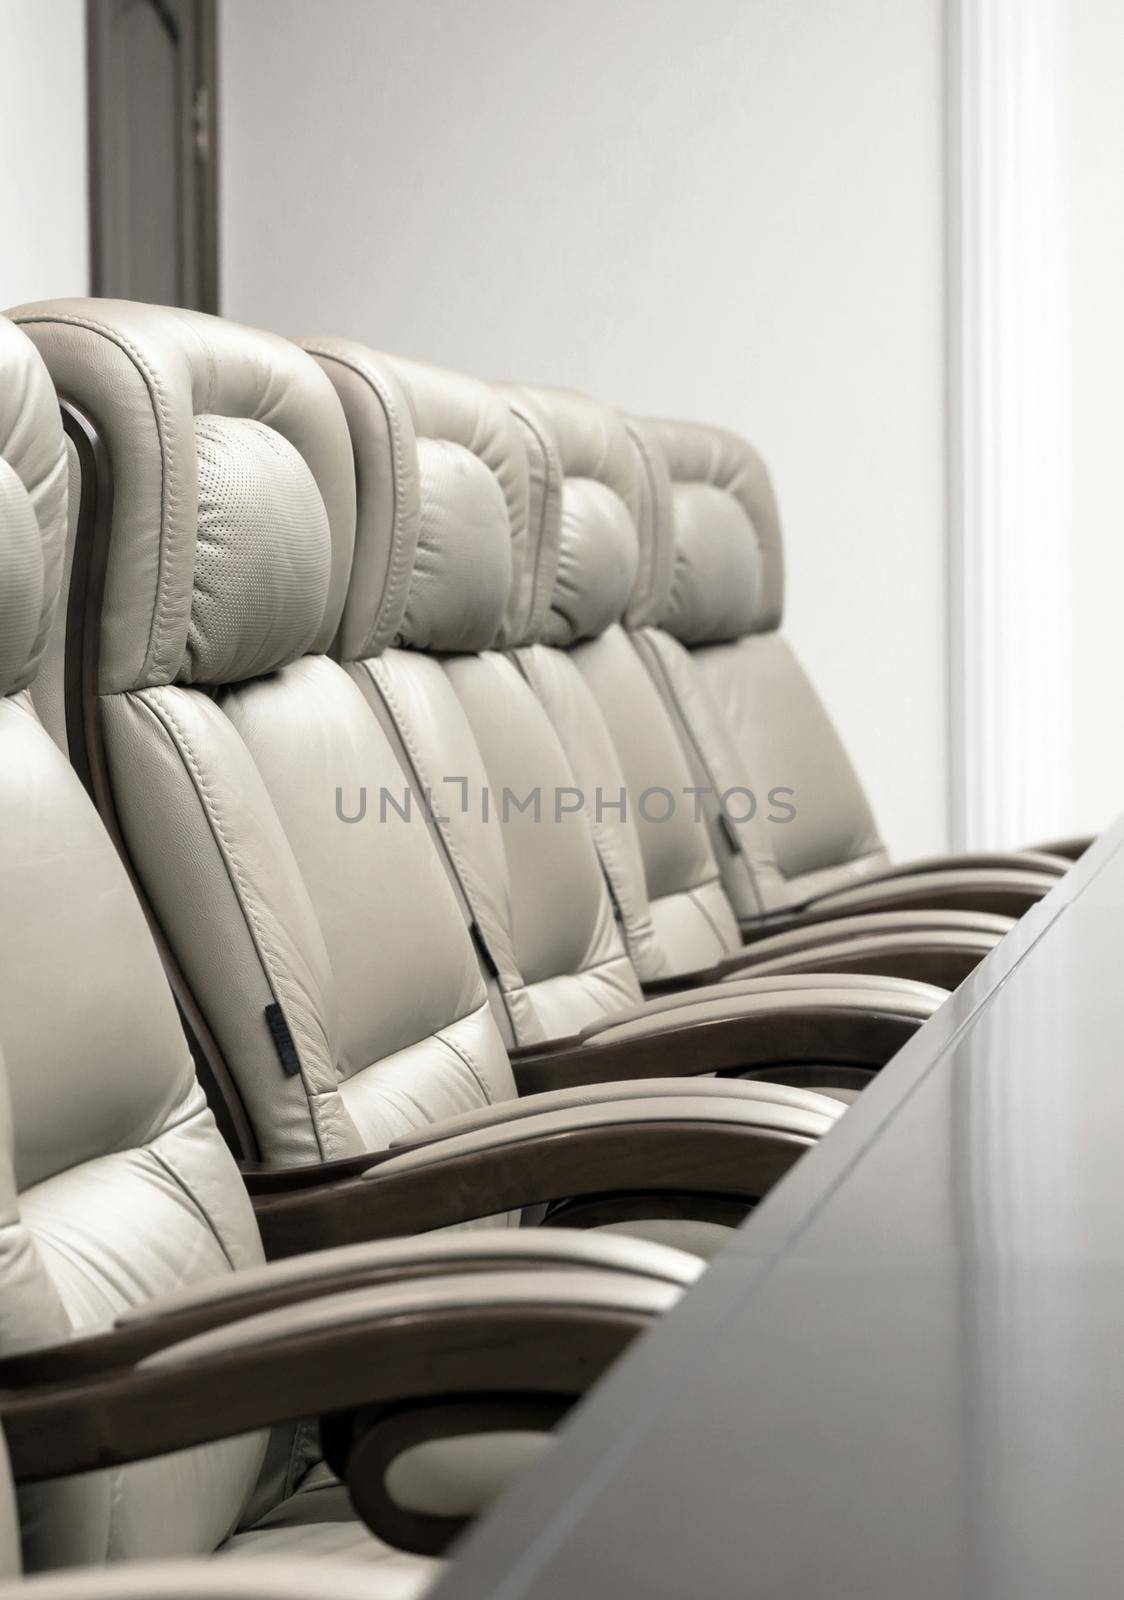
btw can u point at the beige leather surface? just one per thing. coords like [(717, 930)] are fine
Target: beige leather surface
[(387, 502), (445, 1477), (315, 1530), (729, 556), (144, 373), (655, 564), (263, 558), (463, 567), (286, 1573), (473, 733), (475, 504), (125, 1187), (533, 582), (695, 921), (765, 727), (262, 883), (446, 775), (617, 734), (598, 773), (786, 740), (569, 947), (114, 1183), (742, 844), (47, 687), (33, 490)]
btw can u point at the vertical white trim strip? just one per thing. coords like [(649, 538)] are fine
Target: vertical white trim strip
[(1007, 418)]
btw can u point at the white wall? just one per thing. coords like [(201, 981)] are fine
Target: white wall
[(1093, 606), (728, 209), (43, 196)]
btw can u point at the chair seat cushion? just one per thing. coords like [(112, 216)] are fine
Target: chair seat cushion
[(318, 1521)]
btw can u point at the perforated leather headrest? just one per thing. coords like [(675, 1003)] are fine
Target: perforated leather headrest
[(233, 488), (33, 499), (724, 529), (602, 498)]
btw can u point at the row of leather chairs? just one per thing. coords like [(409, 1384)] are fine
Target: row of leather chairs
[(387, 763)]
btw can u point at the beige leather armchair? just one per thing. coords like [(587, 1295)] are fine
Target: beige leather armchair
[(752, 720)]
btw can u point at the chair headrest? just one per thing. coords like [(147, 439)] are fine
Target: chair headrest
[(722, 524), (443, 505), (233, 489), (602, 498)]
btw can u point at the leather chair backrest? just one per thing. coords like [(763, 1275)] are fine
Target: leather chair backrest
[(322, 949), (619, 737), (717, 635), (115, 1185), (469, 727)]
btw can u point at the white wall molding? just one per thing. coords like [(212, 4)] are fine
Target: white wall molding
[(1007, 418)]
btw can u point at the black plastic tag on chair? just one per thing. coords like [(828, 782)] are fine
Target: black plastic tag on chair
[(282, 1039)]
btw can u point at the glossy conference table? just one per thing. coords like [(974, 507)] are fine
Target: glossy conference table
[(904, 1377)]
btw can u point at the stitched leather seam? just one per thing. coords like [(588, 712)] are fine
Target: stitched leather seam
[(636, 927), (654, 656), (157, 398), (208, 356), (267, 954), (396, 565), (203, 1214), (539, 603), (653, 544), (392, 704), (506, 425), (620, 958), (701, 907), (452, 1045)]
